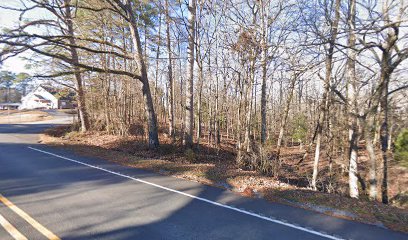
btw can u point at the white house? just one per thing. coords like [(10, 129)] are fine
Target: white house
[(45, 98)]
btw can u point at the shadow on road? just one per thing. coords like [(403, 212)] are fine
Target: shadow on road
[(78, 202)]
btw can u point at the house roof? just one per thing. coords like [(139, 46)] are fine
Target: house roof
[(61, 94), (49, 89), (40, 97)]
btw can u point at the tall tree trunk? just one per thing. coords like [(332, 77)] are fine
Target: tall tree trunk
[(189, 121), (216, 107), (384, 135), (199, 103), (392, 56), (83, 114), (156, 77), (217, 117), (368, 129), (326, 95), (170, 73), (239, 120), (352, 101), (286, 113), (248, 105), (181, 113), (147, 96), (264, 55)]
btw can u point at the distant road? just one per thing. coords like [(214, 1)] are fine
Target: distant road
[(33, 116), (49, 193), (58, 112)]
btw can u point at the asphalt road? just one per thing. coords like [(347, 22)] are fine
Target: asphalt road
[(49, 193)]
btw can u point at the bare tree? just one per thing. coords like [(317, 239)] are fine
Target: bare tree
[(331, 41), (189, 121), (170, 72), (389, 52), (352, 101)]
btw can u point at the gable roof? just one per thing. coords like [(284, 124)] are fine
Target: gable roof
[(49, 89), (61, 94), (40, 97)]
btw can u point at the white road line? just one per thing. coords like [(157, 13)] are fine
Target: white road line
[(195, 197)]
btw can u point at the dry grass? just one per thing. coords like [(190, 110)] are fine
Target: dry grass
[(218, 168)]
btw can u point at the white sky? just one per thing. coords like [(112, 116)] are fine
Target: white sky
[(9, 19)]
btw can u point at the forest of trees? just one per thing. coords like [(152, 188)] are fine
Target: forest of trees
[(13, 86), (327, 76)]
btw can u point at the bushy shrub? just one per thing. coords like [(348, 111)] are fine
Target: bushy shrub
[(190, 155), (401, 148), (300, 128), (259, 159)]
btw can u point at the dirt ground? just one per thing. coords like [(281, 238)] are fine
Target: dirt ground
[(217, 167), (16, 116)]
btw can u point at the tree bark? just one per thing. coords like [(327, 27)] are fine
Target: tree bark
[(264, 55), (147, 96), (326, 95), (372, 192), (189, 121), (286, 113), (239, 120), (170, 73), (384, 135), (83, 114), (248, 105), (352, 101), (199, 103)]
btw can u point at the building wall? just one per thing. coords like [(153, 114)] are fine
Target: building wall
[(28, 101)]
